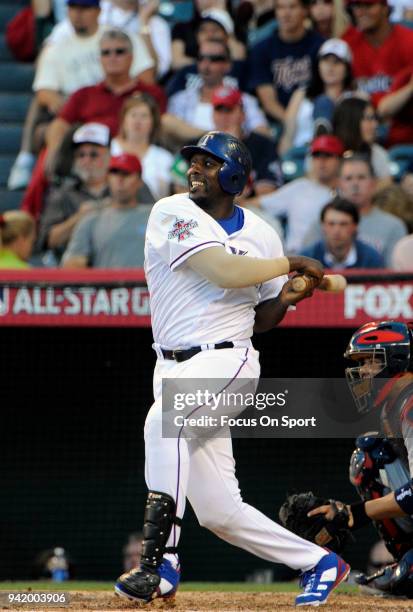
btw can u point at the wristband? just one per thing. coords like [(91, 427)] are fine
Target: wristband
[(404, 497), (360, 518)]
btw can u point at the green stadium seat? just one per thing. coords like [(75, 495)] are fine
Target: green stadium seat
[(16, 77), (10, 137), (13, 107), (6, 162), (293, 163), (10, 200), (5, 54), (400, 157)]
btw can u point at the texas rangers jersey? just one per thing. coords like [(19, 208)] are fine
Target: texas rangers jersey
[(188, 310)]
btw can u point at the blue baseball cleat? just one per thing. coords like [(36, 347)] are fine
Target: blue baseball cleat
[(141, 585), (321, 580)]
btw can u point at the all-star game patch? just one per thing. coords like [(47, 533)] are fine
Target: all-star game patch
[(181, 229)]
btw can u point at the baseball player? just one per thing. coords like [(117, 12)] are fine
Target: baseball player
[(215, 273), (381, 467)]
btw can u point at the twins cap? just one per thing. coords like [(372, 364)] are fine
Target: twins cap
[(337, 47), (93, 133), (90, 3), (125, 162), (219, 16), (226, 96), (327, 144)]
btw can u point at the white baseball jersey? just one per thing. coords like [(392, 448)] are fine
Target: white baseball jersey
[(188, 310)]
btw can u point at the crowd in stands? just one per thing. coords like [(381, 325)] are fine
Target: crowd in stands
[(119, 88)]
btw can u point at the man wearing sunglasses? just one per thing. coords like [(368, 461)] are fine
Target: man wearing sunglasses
[(190, 111), (380, 49)]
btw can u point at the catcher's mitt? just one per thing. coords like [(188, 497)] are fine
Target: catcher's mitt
[(332, 533)]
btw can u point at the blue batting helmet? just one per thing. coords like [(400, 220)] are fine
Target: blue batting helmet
[(235, 170)]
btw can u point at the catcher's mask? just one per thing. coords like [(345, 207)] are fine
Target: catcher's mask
[(382, 350)]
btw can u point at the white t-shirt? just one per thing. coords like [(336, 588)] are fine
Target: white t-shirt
[(300, 202), (187, 310), (156, 168), (69, 62)]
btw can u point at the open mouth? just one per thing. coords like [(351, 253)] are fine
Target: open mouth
[(196, 184)]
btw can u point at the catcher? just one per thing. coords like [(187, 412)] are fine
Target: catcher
[(381, 466)]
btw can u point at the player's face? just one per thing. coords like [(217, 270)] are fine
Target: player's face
[(371, 366), (339, 229), (203, 181), (356, 184), (369, 17)]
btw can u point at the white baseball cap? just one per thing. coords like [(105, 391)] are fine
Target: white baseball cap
[(220, 17), (337, 47), (94, 133)]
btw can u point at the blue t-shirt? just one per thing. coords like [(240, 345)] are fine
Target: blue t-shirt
[(367, 256), (234, 223), (286, 65)]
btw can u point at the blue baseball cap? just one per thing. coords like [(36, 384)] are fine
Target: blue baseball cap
[(91, 3)]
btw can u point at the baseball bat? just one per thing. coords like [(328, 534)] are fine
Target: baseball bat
[(334, 283)]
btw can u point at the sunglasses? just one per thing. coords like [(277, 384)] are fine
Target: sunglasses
[(117, 51), (83, 154), (213, 58), (224, 109), (321, 154)]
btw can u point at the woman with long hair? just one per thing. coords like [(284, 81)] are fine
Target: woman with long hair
[(313, 105), (329, 18), (17, 236), (355, 123), (139, 129)]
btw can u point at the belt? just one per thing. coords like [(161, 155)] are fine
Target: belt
[(184, 354)]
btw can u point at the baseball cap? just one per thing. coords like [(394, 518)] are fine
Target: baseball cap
[(95, 3), (219, 16), (93, 133), (337, 47), (125, 162), (327, 144), (226, 96)]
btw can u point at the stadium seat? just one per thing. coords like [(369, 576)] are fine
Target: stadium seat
[(10, 137), (16, 77), (7, 11), (4, 50), (10, 200), (178, 11), (293, 163), (400, 157), (13, 107), (6, 162)]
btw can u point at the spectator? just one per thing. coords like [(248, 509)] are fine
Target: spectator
[(184, 40), (339, 247), (397, 107), (139, 130), (355, 123), (402, 256), (395, 200), (70, 62), (401, 10), (115, 236), (378, 228), (314, 105), (17, 236), (283, 61), (301, 200), (328, 17), (406, 182), (86, 192), (190, 111), (229, 116), (380, 49), (102, 102), (210, 29)]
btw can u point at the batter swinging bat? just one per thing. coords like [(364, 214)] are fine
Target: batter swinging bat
[(331, 282)]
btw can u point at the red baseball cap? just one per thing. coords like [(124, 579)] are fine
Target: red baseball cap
[(226, 96), (327, 144), (127, 163)]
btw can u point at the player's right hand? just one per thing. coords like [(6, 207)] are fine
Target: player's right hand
[(312, 268)]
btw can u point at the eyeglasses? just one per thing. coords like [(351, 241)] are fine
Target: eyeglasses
[(322, 154), (224, 109), (117, 51), (213, 58), (83, 154)]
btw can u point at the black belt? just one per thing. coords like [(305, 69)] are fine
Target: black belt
[(184, 354)]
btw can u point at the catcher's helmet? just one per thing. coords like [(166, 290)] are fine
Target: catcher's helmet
[(235, 170), (390, 345)]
